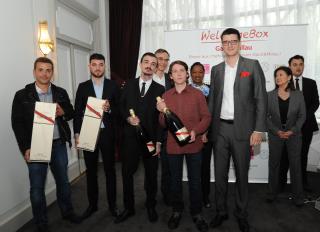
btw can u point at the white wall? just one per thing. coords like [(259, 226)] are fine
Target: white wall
[(19, 24)]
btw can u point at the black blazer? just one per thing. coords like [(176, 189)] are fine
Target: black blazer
[(169, 83), (311, 98), (130, 100), (85, 90), (22, 114)]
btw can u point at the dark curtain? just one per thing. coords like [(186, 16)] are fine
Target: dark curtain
[(125, 31)]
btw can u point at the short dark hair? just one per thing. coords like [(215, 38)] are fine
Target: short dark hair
[(296, 57), (42, 60), (178, 62), (288, 71), (148, 54), (197, 64), (96, 56), (231, 31), (161, 50)]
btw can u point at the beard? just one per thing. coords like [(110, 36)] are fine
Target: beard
[(98, 75)]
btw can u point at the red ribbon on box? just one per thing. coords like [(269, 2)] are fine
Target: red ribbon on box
[(44, 116), (94, 111)]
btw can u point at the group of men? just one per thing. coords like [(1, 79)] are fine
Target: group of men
[(237, 103)]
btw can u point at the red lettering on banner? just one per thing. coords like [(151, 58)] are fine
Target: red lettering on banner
[(208, 35)]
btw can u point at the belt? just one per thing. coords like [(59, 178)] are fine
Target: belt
[(226, 121)]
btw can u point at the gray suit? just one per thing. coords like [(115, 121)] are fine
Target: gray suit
[(295, 118), (233, 138)]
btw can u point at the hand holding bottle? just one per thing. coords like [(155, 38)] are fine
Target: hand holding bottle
[(133, 120), (161, 105)]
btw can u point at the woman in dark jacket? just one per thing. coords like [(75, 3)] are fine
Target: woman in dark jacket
[(285, 117)]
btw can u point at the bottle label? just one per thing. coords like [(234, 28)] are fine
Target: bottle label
[(182, 134), (150, 146)]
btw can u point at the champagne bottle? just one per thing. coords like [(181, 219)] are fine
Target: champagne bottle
[(175, 126), (146, 143)]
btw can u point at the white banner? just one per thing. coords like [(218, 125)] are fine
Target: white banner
[(271, 45)]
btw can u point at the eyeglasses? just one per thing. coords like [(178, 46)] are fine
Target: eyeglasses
[(230, 42), (162, 59)]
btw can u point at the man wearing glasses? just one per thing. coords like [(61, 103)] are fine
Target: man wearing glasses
[(238, 108)]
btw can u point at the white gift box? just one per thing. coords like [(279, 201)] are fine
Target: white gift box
[(91, 124), (42, 132)]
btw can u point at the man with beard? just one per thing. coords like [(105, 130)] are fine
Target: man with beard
[(100, 87), (140, 95)]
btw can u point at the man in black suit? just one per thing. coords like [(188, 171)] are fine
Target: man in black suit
[(161, 77), (140, 95), (311, 98), (100, 87)]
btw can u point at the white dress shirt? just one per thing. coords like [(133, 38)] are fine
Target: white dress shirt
[(227, 108), (159, 80), (148, 83), (300, 82)]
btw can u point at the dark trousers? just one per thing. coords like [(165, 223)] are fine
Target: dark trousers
[(293, 146), (205, 170), (130, 162), (227, 145), (105, 144), (194, 181), (284, 165), (165, 172), (37, 176)]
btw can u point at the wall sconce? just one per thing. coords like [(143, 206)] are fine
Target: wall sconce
[(45, 42)]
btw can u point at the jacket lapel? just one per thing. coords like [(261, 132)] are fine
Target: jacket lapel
[(91, 88)]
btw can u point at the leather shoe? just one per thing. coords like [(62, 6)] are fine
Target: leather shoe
[(152, 214), (89, 211), (174, 220), (218, 219), (201, 224), (73, 218), (243, 225), (124, 216)]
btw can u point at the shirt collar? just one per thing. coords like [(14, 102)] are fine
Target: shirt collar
[(147, 82), (186, 89), (102, 82), (40, 91), (235, 66), (299, 77)]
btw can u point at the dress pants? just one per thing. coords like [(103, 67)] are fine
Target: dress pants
[(205, 169), (284, 164), (293, 145), (227, 145), (130, 161), (105, 144)]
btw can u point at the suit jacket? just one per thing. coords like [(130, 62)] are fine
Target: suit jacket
[(85, 90), (250, 98), (130, 99), (311, 98), (22, 114), (295, 117), (169, 83)]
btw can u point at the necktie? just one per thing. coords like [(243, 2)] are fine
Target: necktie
[(143, 89), (297, 84)]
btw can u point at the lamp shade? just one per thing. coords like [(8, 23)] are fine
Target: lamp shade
[(45, 42)]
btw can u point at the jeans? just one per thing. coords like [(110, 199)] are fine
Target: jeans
[(37, 176), (194, 177)]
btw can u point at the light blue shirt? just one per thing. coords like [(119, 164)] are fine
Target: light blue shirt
[(47, 97), (98, 89)]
